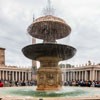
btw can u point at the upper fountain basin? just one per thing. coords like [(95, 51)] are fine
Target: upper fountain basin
[(60, 51), (49, 27)]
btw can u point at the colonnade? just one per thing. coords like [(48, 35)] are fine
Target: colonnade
[(15, 75), (70, 75)]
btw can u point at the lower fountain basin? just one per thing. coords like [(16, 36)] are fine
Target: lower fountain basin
[(68, 92)]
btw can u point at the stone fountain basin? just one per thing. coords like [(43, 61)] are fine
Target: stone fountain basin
[(47, 26), (60, 51), (65, 92)]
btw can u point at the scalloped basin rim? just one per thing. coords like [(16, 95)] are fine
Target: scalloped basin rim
[(72, 92), (60, 31), (61, 51)]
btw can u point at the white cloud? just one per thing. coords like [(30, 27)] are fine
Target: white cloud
[(81, 15)]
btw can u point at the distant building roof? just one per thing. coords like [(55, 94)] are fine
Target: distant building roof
[(2, 48)]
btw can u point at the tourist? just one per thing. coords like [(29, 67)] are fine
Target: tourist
[(23, 83), (93, 84), (89, 83), (65, 84), (16, 83), (1, 83)]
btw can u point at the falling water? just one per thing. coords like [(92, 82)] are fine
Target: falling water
[(49, 10)]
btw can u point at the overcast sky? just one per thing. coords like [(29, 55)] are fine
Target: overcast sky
[(82, 15)]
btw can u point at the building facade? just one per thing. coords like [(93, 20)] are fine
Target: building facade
[(82, 72), (13, 73)]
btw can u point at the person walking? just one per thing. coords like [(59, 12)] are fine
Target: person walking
[(1, 83)]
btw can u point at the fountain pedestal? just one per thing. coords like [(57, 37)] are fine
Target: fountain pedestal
[(49, 78), (49, 74)]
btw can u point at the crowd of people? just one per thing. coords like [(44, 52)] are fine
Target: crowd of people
[(6, 83), (83, 83)]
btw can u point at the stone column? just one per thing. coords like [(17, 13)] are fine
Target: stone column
[(64, 76), (29, 75), (3, 75), (6, 75), (90, 75), (19, 77), (13, 76), (25, 76), (85, 75), (0, 74), (82, 75), (22, 76), (98, 75), (9, 75), (76, 75), (16, 75), (95, 75), (68, 75), (73, 75), (79, 75)]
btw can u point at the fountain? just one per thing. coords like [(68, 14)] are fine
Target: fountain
[(49, 53)]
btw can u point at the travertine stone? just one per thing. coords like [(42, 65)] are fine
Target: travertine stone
[(49, 75)]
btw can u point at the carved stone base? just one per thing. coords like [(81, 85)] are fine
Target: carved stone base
[(49, 78), (49, 74)]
